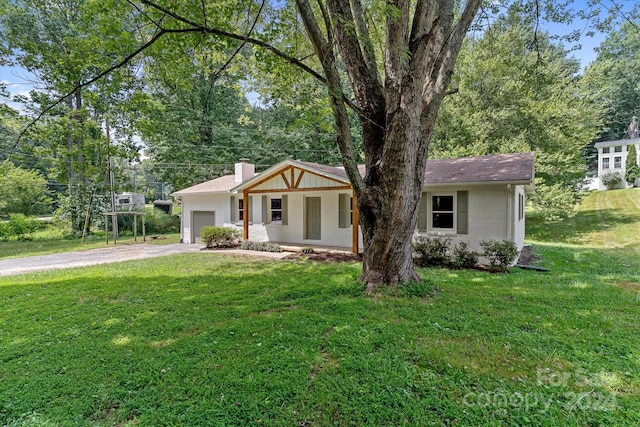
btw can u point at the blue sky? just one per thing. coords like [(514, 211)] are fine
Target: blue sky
[(19, 80)]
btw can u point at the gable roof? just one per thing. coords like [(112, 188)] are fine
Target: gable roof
[(493, 168), (515, 168), (217, 185)]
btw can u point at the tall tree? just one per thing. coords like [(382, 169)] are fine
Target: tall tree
[(614, 78), (631, 167), (64, 43), (514, 96)]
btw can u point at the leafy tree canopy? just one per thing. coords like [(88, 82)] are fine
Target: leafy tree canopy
[(23, 191), (614, 78), (513, 97)]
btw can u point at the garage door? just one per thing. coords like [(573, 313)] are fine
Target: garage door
[(201, 219)]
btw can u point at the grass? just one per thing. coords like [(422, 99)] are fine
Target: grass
[(203, 339), (43, 244)]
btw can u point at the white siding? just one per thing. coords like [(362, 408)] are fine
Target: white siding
[(332, 235), (219, 203), (519, 227), (610, 156), (488, 213)]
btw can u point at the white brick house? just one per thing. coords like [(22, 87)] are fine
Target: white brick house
[(466, 199)]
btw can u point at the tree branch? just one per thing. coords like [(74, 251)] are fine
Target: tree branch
[(81, 85), (364, 79), (328, 61)]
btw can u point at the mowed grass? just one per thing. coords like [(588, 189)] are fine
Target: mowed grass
[(204, 339)]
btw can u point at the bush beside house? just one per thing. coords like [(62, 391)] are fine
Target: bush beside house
[(611, 179), (220, 237), (438, 252)]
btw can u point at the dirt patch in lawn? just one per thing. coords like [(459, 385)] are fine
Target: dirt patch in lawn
[(629, 286), (325, 257), (528, 256)]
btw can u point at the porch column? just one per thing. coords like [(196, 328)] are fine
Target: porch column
[(354, 226), (245, 217)]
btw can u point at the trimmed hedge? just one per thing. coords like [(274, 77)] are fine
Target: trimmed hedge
[(220, 237), (248, 245)]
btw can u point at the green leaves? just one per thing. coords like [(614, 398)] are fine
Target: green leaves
[(23, 191), (515, 97), (614, 76)]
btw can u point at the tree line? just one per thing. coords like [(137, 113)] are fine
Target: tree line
[(401, 78)]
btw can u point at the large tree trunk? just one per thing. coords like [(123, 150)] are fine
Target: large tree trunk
[(397, 114), (389, 204)]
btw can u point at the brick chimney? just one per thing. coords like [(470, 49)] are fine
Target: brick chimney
[(244, 171)]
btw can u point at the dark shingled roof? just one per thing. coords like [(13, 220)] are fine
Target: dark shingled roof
[(493, 168), (516, 167)]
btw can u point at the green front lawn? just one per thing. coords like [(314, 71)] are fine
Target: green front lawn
[(204, 339)]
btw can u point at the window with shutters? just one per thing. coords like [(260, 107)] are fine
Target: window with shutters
[(444, 213), (276, 210)]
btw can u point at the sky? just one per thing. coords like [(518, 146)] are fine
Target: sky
[(19, 81)]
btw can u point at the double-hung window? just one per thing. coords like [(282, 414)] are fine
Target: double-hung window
[(617, 162), (276, 210), (605, 163), (442, 212), (241, 210)]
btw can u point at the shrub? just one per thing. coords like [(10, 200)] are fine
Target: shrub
[(248, 245), (220, 237), (501, 254), (19, 227), (463, 256), (160, 222), (308, 251), (611, 179), (432, 251), (631, 168)]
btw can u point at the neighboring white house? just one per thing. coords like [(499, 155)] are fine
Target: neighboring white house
[(466, 199), (612, 157)]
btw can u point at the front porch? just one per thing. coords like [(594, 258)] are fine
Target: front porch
[(301, 205)]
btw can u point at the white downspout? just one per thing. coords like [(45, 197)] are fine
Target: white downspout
[(509, 214)]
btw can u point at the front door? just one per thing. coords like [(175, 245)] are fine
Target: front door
[(312, 218)]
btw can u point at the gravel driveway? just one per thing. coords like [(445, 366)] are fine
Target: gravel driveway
[(9, 267)]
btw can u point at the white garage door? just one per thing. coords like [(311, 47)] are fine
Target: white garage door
[(201, 219)]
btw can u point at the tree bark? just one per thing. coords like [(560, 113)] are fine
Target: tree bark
[(397, 117)]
